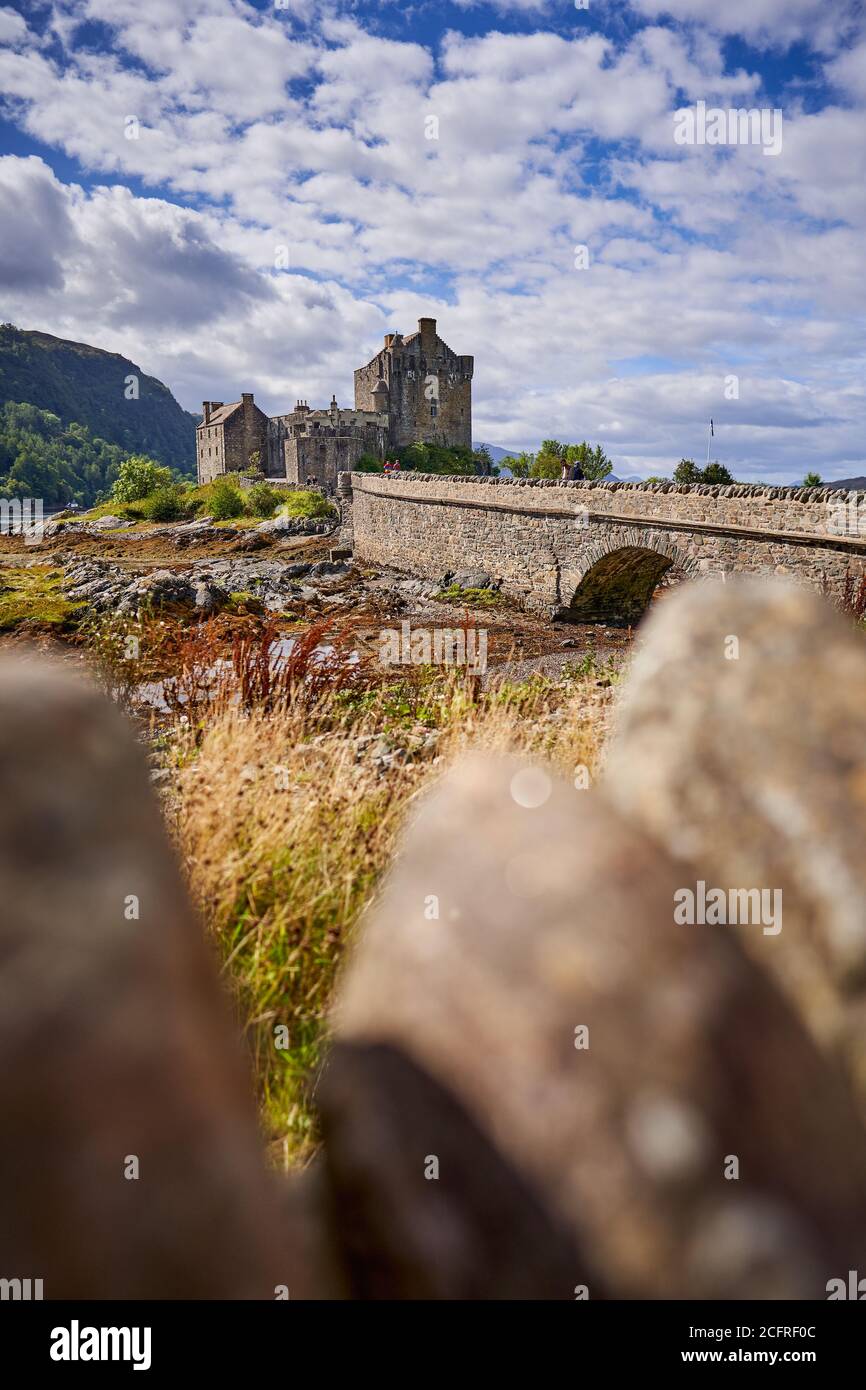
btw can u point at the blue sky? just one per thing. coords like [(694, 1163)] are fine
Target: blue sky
[(248, 195)]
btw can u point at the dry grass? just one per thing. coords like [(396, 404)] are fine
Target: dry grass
[(287, 818)]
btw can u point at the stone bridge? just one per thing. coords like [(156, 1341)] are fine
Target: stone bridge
[(596, 552)]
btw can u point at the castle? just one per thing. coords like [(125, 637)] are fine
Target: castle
[(415, 390)]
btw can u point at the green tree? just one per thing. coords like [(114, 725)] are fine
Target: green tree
[(687, 471), (521, 465), (482, 459), (812, 480), (716, 473), (549, 460), (225, 500), (435, 458), (596, 465), (138, 477), (40, 457), (553, 448), (262, 499)]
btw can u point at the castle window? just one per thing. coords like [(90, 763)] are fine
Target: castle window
[(434, 411)]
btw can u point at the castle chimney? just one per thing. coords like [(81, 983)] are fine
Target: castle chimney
[(427, 330), (246, 400), (389, 338), (205, 410)]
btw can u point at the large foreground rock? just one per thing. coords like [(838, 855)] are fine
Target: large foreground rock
[(484, 968), (741, 748), (117, 1057)]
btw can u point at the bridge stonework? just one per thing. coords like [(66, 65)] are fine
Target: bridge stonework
[(596, 552)]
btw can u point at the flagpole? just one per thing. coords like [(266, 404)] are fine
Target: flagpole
[(709, 437)]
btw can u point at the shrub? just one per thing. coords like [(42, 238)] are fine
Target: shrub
[(716, 473), (226, 500), (687, 471), (306, 504), (139, 477), (262, 499), (163, 505), (192, 501), (127, 511)]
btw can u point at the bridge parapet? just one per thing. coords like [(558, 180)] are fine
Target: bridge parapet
[(597, 551), (812, 511)]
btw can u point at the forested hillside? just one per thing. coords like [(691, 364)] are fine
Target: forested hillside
[(82, 385), (42, 457)]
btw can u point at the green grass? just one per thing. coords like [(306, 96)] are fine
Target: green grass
[(311, 504), (127, 511), (475, 598), (242, 601), (34, 595)]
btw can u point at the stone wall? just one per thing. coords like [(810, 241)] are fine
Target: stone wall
[(596, 551), (280, 484)]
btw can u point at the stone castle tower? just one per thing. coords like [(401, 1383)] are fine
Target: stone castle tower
[(424, 387)]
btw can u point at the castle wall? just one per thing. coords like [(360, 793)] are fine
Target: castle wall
[(322, 444)]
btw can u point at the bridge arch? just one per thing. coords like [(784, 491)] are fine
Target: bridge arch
[(619, 577)]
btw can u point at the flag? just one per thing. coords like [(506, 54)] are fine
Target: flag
[(712, 431)]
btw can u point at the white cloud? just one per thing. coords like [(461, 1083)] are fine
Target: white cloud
[(773, 23), (848, 71), (13, 28)]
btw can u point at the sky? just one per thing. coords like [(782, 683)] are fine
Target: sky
[(247, 194)]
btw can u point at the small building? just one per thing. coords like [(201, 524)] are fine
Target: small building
[(230, 438)]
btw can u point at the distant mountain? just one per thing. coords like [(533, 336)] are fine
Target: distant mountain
[(497, 453), (850, 484), (84, 385)]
